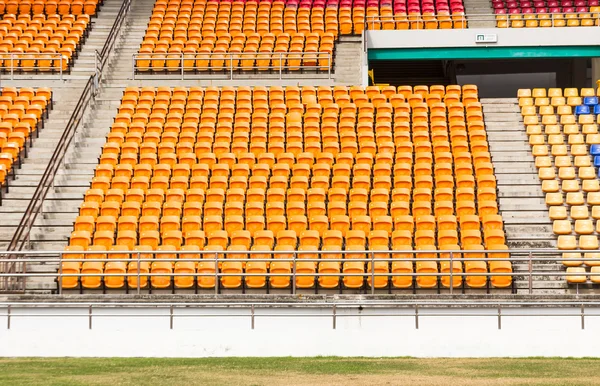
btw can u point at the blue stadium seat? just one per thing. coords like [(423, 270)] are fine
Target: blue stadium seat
[(597, 161), (581, 110), (590, 101), (595, 150), (597, 109)]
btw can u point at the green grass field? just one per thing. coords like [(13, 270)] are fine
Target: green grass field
[(298, 371)]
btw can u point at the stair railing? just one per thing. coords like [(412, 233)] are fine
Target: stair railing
[(22, 234)]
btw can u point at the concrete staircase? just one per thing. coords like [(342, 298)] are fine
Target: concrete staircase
[(526, 220), (479, 7), (348, 58), (50, 230)]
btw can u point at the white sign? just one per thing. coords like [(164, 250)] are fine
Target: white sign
[(486, 38)]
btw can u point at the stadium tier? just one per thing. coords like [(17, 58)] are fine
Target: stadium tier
[(296, 171), (562, 126), (545, 16), (49, 7), (38, 42), (306, 30), (22, 112)]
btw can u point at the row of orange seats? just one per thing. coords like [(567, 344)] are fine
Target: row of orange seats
[(49, 7), (212, 55), (41, 35), (203, 274), (21, 113)]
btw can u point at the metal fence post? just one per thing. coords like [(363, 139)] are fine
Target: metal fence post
[(182, 67), (138, 271), (61, 67), (372, 273), (294, 274), (329, 64), (334, 310), (216, 273), (133, 58), (12, 66), (280, 64), (171, 317), (499, 318), (530, 274), (230, 66), (451, 273)]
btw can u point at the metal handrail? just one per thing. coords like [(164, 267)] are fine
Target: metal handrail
[(23, 230), (417, 309), (11, 57), (372, 21), (229, 58), (109, 44), (529, 256)]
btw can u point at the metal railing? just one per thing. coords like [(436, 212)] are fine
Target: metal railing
[(416, 310), (420, 21), (35, 206), (231, 62), (13, 61), (370, 258)]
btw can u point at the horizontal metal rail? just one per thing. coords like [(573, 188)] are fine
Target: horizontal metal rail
[(419, 21), (13, 62), (253, 310), (230, 62), (371, 258)]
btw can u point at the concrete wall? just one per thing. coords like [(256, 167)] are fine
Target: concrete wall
[(507, 37), (146, 332)]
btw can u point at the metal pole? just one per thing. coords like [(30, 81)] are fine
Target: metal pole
[(372, 273), (416, 316), (182, 66), (530, 272), (499, 318), (294, 274), (329, 65), (138, 272), (334, 316), (90, 317), (582, 316), (60, 272), (171, 317), (230, 66), (252, 316), (451, 273), (280, 63), (12, 66), (61, 67), (216, 273), (8, 317), (133, 66)]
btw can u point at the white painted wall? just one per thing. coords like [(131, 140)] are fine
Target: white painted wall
[(356, 334), (507, 37)]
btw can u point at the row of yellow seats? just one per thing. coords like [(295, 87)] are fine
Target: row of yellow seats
[(579, 275), (556, 92)]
